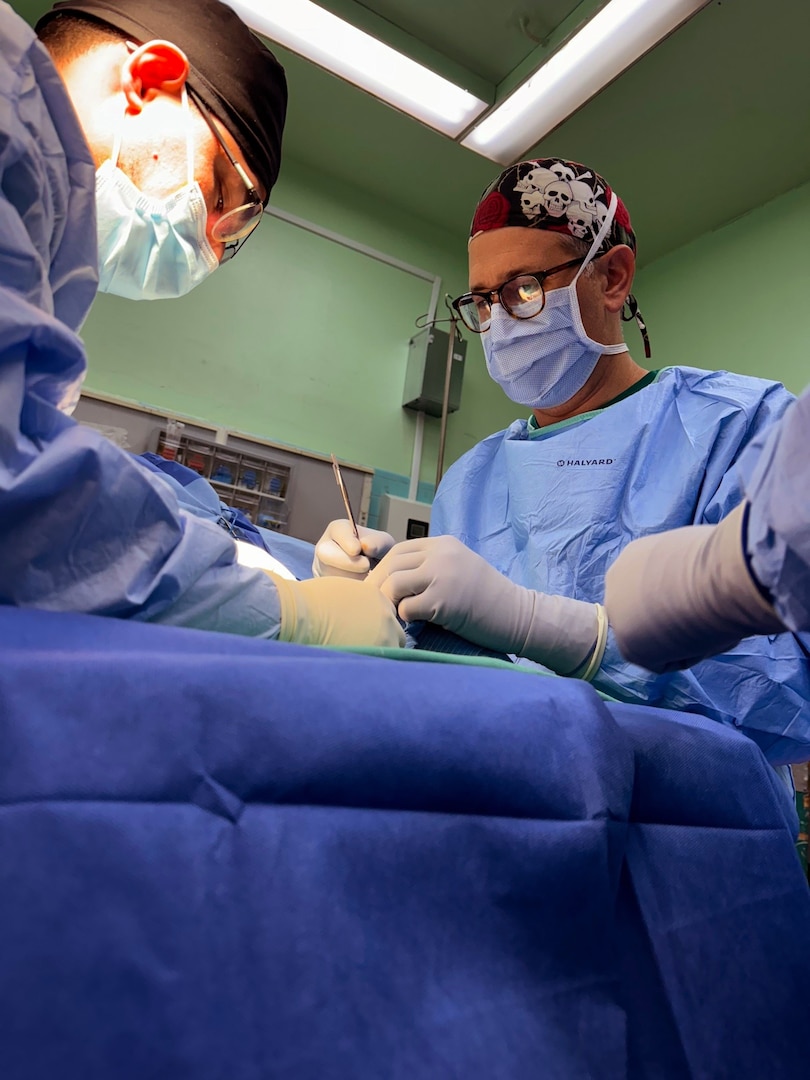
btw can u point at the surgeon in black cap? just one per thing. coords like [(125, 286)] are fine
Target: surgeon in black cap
[(183, 110), (162, 122)]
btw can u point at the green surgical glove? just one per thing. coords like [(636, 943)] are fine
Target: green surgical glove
[(336, 611)]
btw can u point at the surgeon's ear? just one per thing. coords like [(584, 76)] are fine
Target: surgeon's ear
[(617, 266), (154, 68)]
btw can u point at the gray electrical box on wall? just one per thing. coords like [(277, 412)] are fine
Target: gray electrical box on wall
[(424, 378)]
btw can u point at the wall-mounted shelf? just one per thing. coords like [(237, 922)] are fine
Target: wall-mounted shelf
[(311, 498), (250, 482)]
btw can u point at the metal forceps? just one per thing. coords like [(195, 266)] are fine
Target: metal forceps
[(344, 494)]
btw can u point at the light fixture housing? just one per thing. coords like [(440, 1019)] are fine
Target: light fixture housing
[(609, 43), (334, 44)]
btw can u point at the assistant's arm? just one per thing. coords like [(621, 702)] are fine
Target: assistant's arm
[(746, 575), (677, 597), (84, 528)]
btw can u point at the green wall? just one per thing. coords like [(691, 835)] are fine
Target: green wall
[(305, 342), (737, 298), (299, 339)]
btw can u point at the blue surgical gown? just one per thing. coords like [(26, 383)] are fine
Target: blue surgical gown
[(776, 477), (83, 526), (552, 509)]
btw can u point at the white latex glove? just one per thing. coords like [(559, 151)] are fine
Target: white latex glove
[(334, 611), (440, 580), (677, 597), (338, 553)]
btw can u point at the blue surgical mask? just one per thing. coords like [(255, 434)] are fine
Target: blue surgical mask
[(149, 248), (543, 361)]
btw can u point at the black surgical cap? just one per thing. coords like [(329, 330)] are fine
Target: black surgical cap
[(232, 71)]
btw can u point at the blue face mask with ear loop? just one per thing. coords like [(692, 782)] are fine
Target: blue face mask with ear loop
[(149, 248), (543, 361)]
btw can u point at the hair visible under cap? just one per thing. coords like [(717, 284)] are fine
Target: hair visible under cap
[(234, 73), (69, 36)]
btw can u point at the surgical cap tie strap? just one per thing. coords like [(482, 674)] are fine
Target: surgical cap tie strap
[(600, 236), (631, 301)]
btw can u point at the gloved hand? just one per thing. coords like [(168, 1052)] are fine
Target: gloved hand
[(338, 553), (333, 611), (440, 580), (677, 597)]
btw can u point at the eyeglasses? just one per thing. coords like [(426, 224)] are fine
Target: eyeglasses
[(236, 224), (522, 297)]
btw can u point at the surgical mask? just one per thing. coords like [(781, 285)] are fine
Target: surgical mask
[(543, 361), (150, 248)]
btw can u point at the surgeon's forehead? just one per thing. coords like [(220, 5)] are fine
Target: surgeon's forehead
[(498, 254)]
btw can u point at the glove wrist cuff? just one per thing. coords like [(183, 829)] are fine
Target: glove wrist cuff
[(563, 634), (589, 668)]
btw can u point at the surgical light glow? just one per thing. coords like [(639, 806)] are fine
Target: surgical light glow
[(361, 59), (607, 45)]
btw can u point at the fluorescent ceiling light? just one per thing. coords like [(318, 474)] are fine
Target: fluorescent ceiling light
[(607, 45), (361, 59)]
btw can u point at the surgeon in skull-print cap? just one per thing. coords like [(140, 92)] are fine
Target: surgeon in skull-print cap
[(603, 451)]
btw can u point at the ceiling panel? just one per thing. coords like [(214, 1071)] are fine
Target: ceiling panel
[(482, 35), (339, 131), (712, 123), (708, 125)]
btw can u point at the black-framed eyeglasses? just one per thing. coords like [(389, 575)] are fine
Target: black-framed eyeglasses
[(236, 224), (521, 296)]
